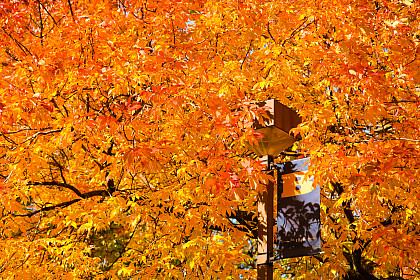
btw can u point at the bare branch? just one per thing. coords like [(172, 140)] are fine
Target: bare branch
[(247, 53), (71, 9), (20, 45), (41, 133)]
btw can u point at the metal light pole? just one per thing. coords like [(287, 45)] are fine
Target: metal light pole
[(276, 139), (265, 227)]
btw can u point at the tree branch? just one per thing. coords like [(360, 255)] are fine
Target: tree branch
[(20, 45), (247, 53), (269, 32), (74, 189), (43, 209), (41, 133), (66, 203)]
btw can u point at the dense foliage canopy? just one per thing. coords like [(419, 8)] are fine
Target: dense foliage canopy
[(123, 126)]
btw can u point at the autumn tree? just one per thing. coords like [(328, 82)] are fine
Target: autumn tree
[(123, 126)]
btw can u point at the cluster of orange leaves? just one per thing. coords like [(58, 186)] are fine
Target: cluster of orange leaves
[(123, 126)]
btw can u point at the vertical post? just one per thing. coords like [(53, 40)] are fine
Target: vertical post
[(265, 227)]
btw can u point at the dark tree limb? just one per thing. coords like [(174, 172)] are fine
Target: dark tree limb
[(59, 184), (48, 208), (355, 258), (66, 203), (71, 9), (20, 45), (75, 190), (247, 221)]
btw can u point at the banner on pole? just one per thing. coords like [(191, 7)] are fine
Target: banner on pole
[(298, 211)]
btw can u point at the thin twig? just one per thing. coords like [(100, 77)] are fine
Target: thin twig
[(41, 133), (125, 247), (247, 53), (55, 22), (299, 28), (269, 32), (20, 45)]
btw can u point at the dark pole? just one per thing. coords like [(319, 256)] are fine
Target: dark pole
[(265, 227)]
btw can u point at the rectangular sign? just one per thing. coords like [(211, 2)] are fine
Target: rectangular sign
[(298, 211)]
